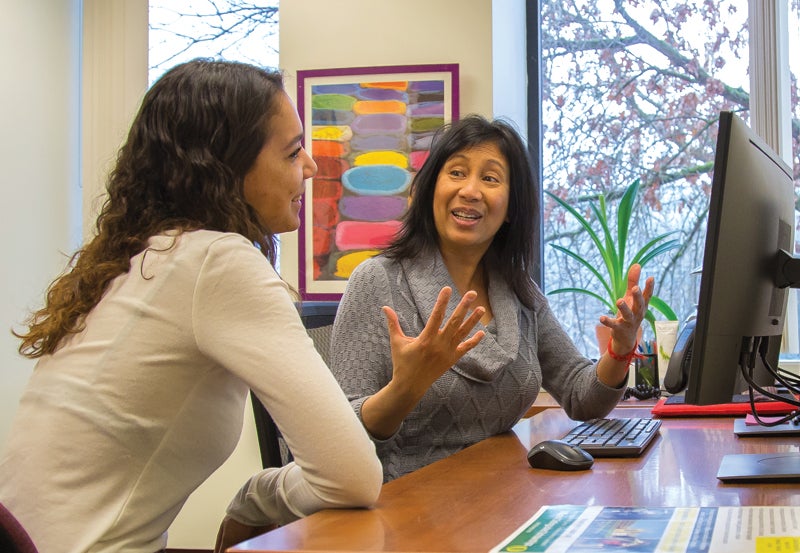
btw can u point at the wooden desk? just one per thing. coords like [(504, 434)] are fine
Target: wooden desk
[(545, 401), (475, 498)]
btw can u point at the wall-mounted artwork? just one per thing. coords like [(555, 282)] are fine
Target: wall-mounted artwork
[(369, 130)]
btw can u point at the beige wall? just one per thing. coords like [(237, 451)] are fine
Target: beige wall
[(39, 168), (114, 78)]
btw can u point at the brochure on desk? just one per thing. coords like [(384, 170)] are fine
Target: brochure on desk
[(579, 529)]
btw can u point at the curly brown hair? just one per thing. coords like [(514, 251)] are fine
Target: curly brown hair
[(198, 131)]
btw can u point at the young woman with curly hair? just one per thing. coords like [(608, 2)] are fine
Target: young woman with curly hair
[(148, 344)]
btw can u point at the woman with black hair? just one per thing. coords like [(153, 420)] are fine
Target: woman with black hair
[(470, 228)]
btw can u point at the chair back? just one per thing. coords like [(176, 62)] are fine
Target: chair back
[(317, 317), (13, 537)]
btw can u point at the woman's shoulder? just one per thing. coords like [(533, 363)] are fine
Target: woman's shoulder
[(203, 248), (195, 238), (378, 264), (372, 276)]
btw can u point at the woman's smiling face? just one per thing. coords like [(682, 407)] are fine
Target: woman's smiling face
[(275, 184), (470, 202)]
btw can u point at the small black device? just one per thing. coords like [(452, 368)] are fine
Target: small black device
[(559, 455), (677, 375)]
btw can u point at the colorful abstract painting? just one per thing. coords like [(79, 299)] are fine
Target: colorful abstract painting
[(369, 130)]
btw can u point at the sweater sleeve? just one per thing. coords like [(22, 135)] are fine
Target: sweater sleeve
[(243, 318), (570, 377), (363, 370)]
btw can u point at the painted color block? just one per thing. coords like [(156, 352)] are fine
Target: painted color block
[(326, 188), (357, 235), (378, 142), (329, 148), (417, 159), (330, 167), (348, 262), (382, 94), (383, 123), (422, 140), (422, 124), (392, 85), (427, 86), (372, 208), (323, 239), (426, 109), (332, 117), (332, 101), (376, 180), (348, 88), (381, 157), (339, 133), (365, 107), (325, 213)]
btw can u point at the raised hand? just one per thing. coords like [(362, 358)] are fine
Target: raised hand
[(418, 361), (632, 308)]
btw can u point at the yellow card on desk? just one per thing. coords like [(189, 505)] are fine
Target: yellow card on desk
[(778, 544)]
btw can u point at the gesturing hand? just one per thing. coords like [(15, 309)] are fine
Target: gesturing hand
[(632, 308), (418, 362)]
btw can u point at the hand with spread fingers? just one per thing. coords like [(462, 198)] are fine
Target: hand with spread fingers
[(613, 365), (418, 362)]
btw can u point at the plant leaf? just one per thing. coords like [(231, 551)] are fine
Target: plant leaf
[(611, 308), (656, 251), (661, 306), (586, 264), (624, 215)]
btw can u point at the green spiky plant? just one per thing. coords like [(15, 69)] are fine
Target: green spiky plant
[(612, 250)]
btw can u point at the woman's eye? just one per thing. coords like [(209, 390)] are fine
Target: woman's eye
[(296, 153)]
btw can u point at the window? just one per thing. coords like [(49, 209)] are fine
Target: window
[(228, 29), (632, 90)]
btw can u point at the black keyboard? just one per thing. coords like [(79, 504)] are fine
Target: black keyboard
[(619, 437)]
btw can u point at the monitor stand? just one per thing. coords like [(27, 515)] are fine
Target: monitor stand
[(760, 467)]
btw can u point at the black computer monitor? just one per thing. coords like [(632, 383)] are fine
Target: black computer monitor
[(748, 267)]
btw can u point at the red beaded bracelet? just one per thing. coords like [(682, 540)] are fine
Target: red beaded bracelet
[(627, 358)]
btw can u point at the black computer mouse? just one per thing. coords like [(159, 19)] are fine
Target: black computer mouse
[(559, 455)]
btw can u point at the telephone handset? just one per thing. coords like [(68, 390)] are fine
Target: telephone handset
[(677, 376)]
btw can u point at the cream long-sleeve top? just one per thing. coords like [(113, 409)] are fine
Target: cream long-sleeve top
[(119, 426)]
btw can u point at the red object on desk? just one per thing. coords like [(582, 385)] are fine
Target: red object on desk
[(664, 409)]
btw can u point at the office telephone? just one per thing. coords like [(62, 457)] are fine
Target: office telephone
[(677, 375)]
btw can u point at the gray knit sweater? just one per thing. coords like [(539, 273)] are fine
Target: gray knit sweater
[(487, 391)]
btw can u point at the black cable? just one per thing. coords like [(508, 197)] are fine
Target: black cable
[(747, 366)]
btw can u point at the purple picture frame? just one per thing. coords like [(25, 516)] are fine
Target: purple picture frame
[(369, 130)]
